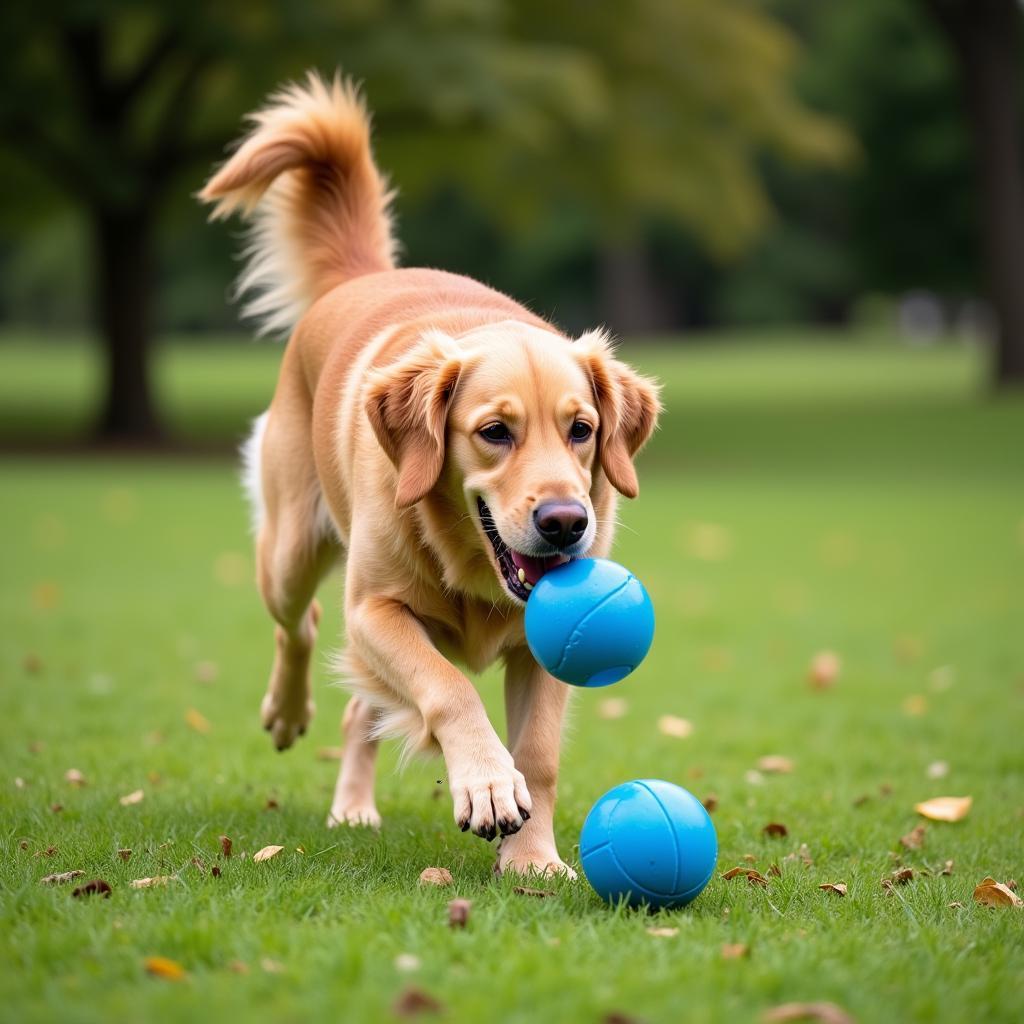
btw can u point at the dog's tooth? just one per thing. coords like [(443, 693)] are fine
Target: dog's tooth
[(522, 575), (529, 586)]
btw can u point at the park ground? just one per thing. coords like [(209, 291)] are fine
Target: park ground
[(804, 495)]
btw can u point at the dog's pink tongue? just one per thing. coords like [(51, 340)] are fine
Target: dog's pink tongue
[(533, 568)]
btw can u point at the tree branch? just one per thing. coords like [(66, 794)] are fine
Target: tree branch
[(163, 46)]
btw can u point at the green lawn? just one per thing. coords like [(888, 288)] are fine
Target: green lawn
[(859, 498)]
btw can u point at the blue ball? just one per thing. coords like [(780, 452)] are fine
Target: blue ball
[(648, 841), (589, 622)]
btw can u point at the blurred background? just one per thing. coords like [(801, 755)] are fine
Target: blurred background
[(690, 172)]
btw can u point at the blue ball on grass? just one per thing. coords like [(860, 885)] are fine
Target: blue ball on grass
[(648, 842), (589, 622)]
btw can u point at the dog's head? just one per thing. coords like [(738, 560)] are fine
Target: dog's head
[(524, 430)]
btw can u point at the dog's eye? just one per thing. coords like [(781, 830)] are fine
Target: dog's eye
[(580, 431), (497, 433)]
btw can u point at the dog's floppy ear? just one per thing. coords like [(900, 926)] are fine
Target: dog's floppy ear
[(628, 405), (407, 404)]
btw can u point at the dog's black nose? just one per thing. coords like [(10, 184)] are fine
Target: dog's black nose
[(561, 523)]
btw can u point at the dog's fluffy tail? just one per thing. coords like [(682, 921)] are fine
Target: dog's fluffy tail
[(306, 178)]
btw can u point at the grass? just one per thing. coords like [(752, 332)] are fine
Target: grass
[(863, 499)]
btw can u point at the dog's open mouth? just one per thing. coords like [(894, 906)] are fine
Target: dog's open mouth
[(520, 572)]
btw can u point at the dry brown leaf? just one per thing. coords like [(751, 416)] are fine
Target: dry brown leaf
[(750, 858), (162, 967), (458, 913), (752, 876), (49, 851), (901, 877), (413, 1002), (61, 877), (945, 808), (613, 708), (775, 828), (824, 670), (914, 839), (22, 844), (775, 870), (225, 846), (56, 808), (271, 804), (124, 854), (525, 890), (97, 887), (775, 764), (197, 721), (435, 876), (735, 950), (947, 868), (136, 796), (671, 725), (955, 905), (266, 853), (75, 777), (827, 1013), (330, 753), (839, 888), (803, 855), (996, 894), (663, 933), (710, 803), (149, 883)]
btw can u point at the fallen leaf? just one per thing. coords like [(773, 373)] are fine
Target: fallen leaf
[(750, 858), (149, 883), (197, 862), (330, 753), (49, 851), (827, 1013), (735, 950), (197, 721), (955, 905), (775, 764), (61, 877), (901, 877), (670, 725), (524, 890), (914, 839), (613, 708), (225, 846), (162, 967), (22, 844), (458, 913), (407, 962), (266, 853), (413, 1002), (824, 670), (435, 876), (937, 770), (945, 808), (215, 871), (947, 868), (271, 966), (752, 876), (56, 808), (710, 803), (775, 828), (124, 854), (136, 796), (97, 887), (271, 804), (996, 894), (663, 933), (75, 777), (775, 870), (839, 888), (915, 705)]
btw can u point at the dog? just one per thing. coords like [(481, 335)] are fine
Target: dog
[(443, 443)]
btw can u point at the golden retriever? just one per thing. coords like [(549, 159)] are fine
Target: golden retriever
[(444, 443)]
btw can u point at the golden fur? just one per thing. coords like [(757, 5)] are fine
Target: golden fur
[(372, 454)]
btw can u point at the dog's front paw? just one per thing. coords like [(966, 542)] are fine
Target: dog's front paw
[(286, 717), (490, 798), (353, 812)]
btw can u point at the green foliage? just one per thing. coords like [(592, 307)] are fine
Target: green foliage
[(869, 502)]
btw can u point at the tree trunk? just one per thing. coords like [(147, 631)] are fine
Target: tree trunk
[(985, 37), (124, 298), (631, 301)]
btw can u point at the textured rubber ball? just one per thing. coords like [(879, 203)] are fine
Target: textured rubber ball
[(648, 842), (589, 622)]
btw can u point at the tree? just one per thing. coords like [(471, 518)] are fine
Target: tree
[(984, 36)]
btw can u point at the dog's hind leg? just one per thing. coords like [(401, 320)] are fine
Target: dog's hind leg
[(295, 547), (353, 802)]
